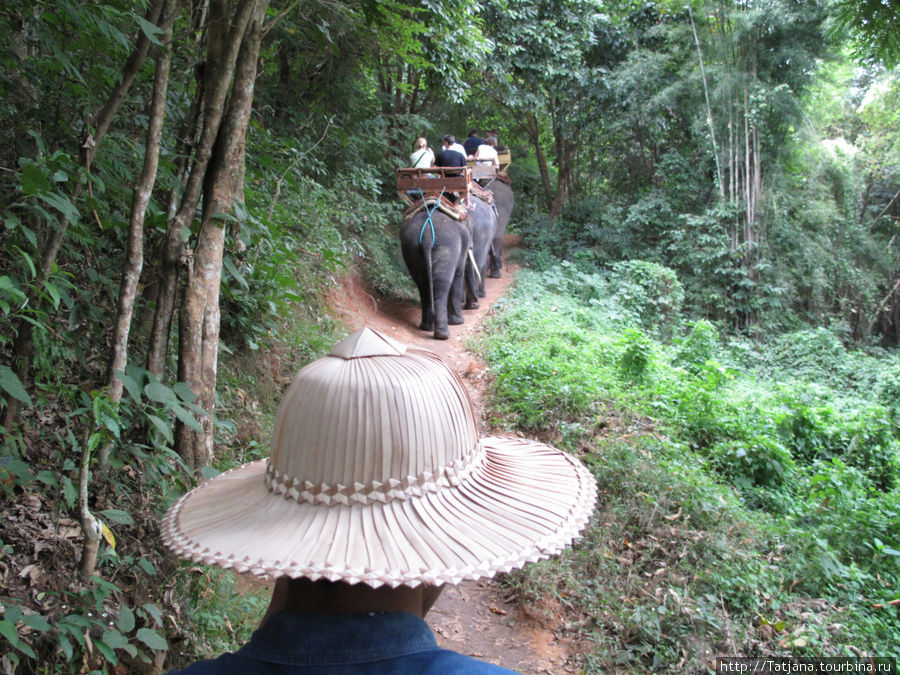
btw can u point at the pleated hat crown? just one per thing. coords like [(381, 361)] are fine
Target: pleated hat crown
[(372, 421)]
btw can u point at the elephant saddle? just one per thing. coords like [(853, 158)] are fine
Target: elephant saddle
[(481, 193), (444, 188), (457, 210)]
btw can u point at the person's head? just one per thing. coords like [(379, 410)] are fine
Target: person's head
[(491, 141), (378, 477), (449, 140), (421, 143), (474, 132)]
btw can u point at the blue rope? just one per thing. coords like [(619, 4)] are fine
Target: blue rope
[(428, 220)]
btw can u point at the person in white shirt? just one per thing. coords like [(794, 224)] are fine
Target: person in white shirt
[(487, 153), (422, 157)]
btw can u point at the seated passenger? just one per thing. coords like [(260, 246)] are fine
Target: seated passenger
[(452, 154), (471, 143), (451, 157), (422, 157), (487, 153)]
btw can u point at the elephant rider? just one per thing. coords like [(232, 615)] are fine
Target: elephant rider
[(422, 157), (487, 153), (472, 142), (451, 156), (451, 145), (378, 491)]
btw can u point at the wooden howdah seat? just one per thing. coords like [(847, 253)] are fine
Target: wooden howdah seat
[(434, 185), (483, 171), (431, 188), (505, 158)]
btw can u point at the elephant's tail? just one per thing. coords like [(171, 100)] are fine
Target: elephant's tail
[(426, 253), (474, 264), (472, 277)]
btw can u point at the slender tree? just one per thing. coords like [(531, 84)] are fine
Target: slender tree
[(134, 261), (233, 45)]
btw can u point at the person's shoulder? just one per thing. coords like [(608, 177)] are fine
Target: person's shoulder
[(227, 664), (446, 662)]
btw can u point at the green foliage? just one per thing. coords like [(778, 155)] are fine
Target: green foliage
[(872, 26), (887, 389), (637, 355), (222, 611), (651, 291), (698, 347), (759, 461), (783, 440)]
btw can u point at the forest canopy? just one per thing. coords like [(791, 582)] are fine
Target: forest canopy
[(181, 181)]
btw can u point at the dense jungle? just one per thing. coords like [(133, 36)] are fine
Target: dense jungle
[(704, 302)]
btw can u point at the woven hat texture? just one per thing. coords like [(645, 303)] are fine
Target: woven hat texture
[(377, 475)]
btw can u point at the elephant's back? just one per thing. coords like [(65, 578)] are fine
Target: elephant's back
[(420, 229)]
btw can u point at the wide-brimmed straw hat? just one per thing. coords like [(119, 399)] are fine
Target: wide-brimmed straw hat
[(377, 475)]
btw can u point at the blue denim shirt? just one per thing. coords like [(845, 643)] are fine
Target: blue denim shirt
[(363, 644)]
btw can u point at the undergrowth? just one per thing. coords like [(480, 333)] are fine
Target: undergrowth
[(142, 611), (749, 495)]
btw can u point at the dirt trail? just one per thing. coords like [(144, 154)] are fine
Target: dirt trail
[(474, 618)]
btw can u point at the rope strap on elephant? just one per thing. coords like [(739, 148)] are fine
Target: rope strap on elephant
[(429, 211), (456, 210)]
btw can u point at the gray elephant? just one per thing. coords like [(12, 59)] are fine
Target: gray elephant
[(435, 250), (482, 225), (504, 202)]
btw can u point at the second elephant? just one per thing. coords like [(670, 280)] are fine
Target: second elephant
[(504, 201), (482, 222)]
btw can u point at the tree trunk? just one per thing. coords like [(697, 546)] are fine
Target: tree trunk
[(199, 318), (214, 78), (173, 246), (565, 154), (709, 116), (533, 130), (134, 261)]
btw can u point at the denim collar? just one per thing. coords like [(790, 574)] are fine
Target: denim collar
[(294, 639)]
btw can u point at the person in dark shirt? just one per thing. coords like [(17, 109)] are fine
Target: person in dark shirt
[(472, 142), (378, 491), (450, 155)]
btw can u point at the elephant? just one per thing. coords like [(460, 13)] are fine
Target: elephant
[(482, 225), (504, 202), (435, 250)]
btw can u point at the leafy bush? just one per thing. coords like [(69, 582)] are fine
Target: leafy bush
[(651, 291), (698, 347), (637, 355), (811, 430), (758, 461), (887, 389), (873, 447)]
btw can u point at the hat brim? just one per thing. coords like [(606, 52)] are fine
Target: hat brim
[(524, 502)]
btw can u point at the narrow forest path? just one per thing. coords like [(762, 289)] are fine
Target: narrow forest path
[(475, 618)]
